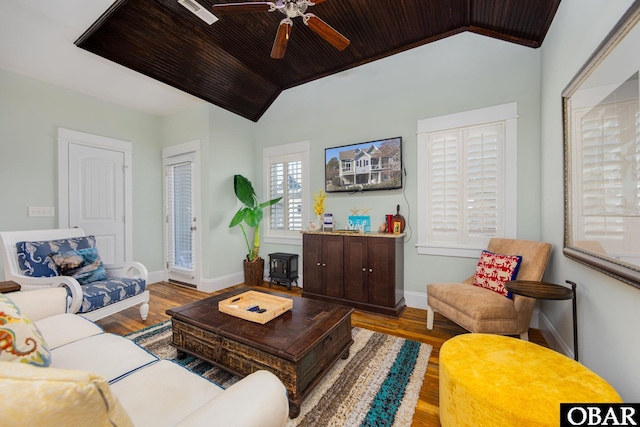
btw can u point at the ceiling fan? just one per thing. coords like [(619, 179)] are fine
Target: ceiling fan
[(290, 8)]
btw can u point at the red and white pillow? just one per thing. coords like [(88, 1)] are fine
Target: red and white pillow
[(494, 270)]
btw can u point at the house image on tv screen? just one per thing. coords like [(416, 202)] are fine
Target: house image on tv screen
[(375, 165)]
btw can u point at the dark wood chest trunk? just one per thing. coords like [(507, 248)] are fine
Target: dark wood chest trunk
[(299, 346)]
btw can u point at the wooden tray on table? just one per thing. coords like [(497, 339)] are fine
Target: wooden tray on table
[(273, 305)]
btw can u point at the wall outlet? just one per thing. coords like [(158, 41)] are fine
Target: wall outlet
[(42, 211)]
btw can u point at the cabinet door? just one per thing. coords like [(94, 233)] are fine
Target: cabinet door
[(332, 263), (312, 262), (381, 271), (356, 270)]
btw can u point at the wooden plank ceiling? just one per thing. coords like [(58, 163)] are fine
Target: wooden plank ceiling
[(228, 63)]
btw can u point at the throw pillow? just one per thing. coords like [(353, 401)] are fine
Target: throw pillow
[(57, 397), (20, 338), (34, 257), (494, 270), (84, 265)]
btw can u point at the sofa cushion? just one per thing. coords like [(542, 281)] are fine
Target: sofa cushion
[(494, 270), (53, 397), (109, 355), (84, 265), (34, 257), (20, 338), (62, 329), (100, 294), (163, 385)]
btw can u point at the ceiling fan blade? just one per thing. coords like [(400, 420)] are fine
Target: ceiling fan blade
[(255, 6), (282, 38), (325, 31), (317, 1)]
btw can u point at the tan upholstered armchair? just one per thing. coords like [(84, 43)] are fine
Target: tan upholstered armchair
[(481, 310)]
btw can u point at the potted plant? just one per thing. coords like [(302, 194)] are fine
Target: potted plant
[(251, 215)]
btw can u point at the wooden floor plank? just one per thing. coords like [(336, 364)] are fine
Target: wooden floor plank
[(410, 325)]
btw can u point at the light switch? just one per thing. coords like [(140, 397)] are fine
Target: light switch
[(42, 211)]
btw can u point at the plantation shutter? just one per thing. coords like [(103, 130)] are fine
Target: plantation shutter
[(294, 196), (444, 189), (276, 189), (483, 183), (465, 188), (285, 180)]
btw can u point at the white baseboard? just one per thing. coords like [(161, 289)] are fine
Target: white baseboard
[(555, 341), (157, 276), (415, 299), (212, 285), (219, 283)]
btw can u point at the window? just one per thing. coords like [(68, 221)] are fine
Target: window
[(286, 175), (467, 180)]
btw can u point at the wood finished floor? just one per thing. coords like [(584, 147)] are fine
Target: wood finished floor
[(411, 325)]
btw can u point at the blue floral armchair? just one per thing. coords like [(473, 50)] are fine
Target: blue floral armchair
[(39, 259)]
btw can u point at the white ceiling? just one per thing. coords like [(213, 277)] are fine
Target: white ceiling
[(37, 41)]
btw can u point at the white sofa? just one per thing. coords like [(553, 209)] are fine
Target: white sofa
[(152, 392)]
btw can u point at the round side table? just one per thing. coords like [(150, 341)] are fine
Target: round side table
[(551, 291)]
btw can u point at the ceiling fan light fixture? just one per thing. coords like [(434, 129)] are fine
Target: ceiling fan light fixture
[(291, 9)]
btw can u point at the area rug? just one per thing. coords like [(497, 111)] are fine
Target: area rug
[(378, 385)]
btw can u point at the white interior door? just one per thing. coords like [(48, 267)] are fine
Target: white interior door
[(97, 197)]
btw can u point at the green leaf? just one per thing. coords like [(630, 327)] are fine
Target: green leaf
[(244, 191), (252, 217), (237, 218), (270, 202)]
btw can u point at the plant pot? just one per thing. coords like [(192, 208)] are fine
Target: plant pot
[(254, 272)]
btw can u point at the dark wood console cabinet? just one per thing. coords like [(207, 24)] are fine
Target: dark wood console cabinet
[(362, 271)]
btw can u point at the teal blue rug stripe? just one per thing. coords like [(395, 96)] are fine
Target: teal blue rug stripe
[(385, 405)]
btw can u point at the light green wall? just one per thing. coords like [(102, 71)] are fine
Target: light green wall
[(226, 142), (608, 313), (231, 152), (31, 111), (385, 99)]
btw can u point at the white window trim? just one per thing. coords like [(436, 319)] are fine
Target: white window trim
[(505, 112), (304, 148)]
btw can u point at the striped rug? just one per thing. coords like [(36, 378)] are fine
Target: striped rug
[(378, 385)]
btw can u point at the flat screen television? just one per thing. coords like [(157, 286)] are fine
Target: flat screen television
[(373, 165)]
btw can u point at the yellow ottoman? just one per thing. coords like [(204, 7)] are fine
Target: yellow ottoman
[(496, 381)]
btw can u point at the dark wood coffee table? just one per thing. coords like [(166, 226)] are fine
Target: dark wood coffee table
[(298, 346)]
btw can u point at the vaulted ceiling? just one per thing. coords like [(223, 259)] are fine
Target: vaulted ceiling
[(228, 63)]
